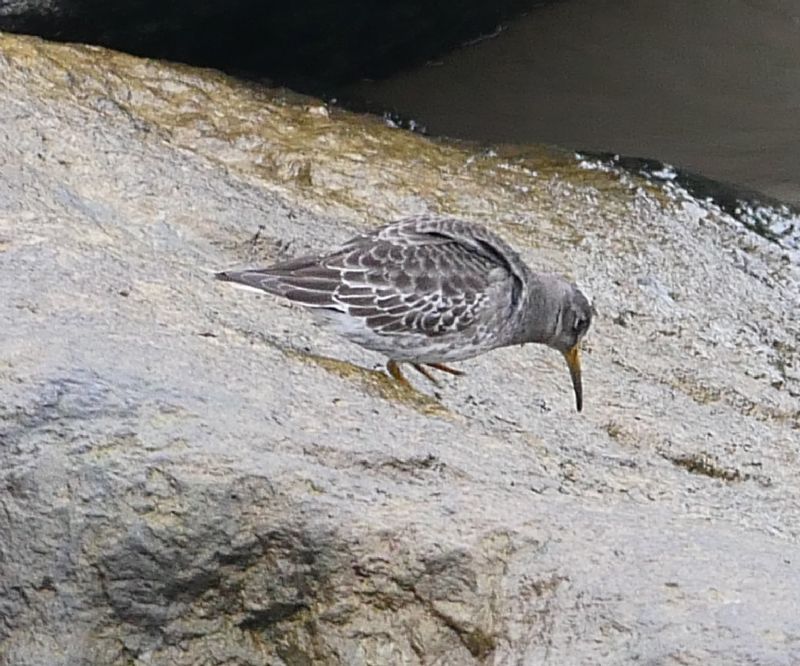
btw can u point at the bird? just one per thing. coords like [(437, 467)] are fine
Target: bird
[(431, 290)]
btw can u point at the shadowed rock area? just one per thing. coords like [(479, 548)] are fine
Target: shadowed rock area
[(193, 474)]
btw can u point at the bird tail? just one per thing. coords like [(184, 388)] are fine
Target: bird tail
[(302, 280), (259, 280)]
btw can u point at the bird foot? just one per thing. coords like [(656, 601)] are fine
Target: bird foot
[(446, 368), (421, 370), (394, 370)]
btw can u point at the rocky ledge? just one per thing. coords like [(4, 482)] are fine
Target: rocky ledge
[(191, 474)]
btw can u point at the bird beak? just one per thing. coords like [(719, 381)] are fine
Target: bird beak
[(574, 362)]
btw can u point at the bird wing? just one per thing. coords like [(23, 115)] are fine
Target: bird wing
[(406, 277)]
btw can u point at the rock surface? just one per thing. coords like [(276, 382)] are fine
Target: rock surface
[(190, 474)]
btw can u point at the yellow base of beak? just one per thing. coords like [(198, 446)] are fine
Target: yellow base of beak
[(573, 358)]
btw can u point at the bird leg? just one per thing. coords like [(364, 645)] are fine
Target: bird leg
[(446, 368), (421, 369), (394, 370)]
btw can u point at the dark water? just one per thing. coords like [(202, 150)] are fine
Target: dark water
[(308, 45), (709, 85)]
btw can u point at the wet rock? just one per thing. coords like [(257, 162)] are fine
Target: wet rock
[(191, 474)]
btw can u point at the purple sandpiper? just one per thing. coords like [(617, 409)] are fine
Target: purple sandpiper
[(429, 291)]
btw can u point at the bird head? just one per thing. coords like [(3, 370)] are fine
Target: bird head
[(573, 320)]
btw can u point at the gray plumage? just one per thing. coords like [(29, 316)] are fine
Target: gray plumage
[(431, 290)]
